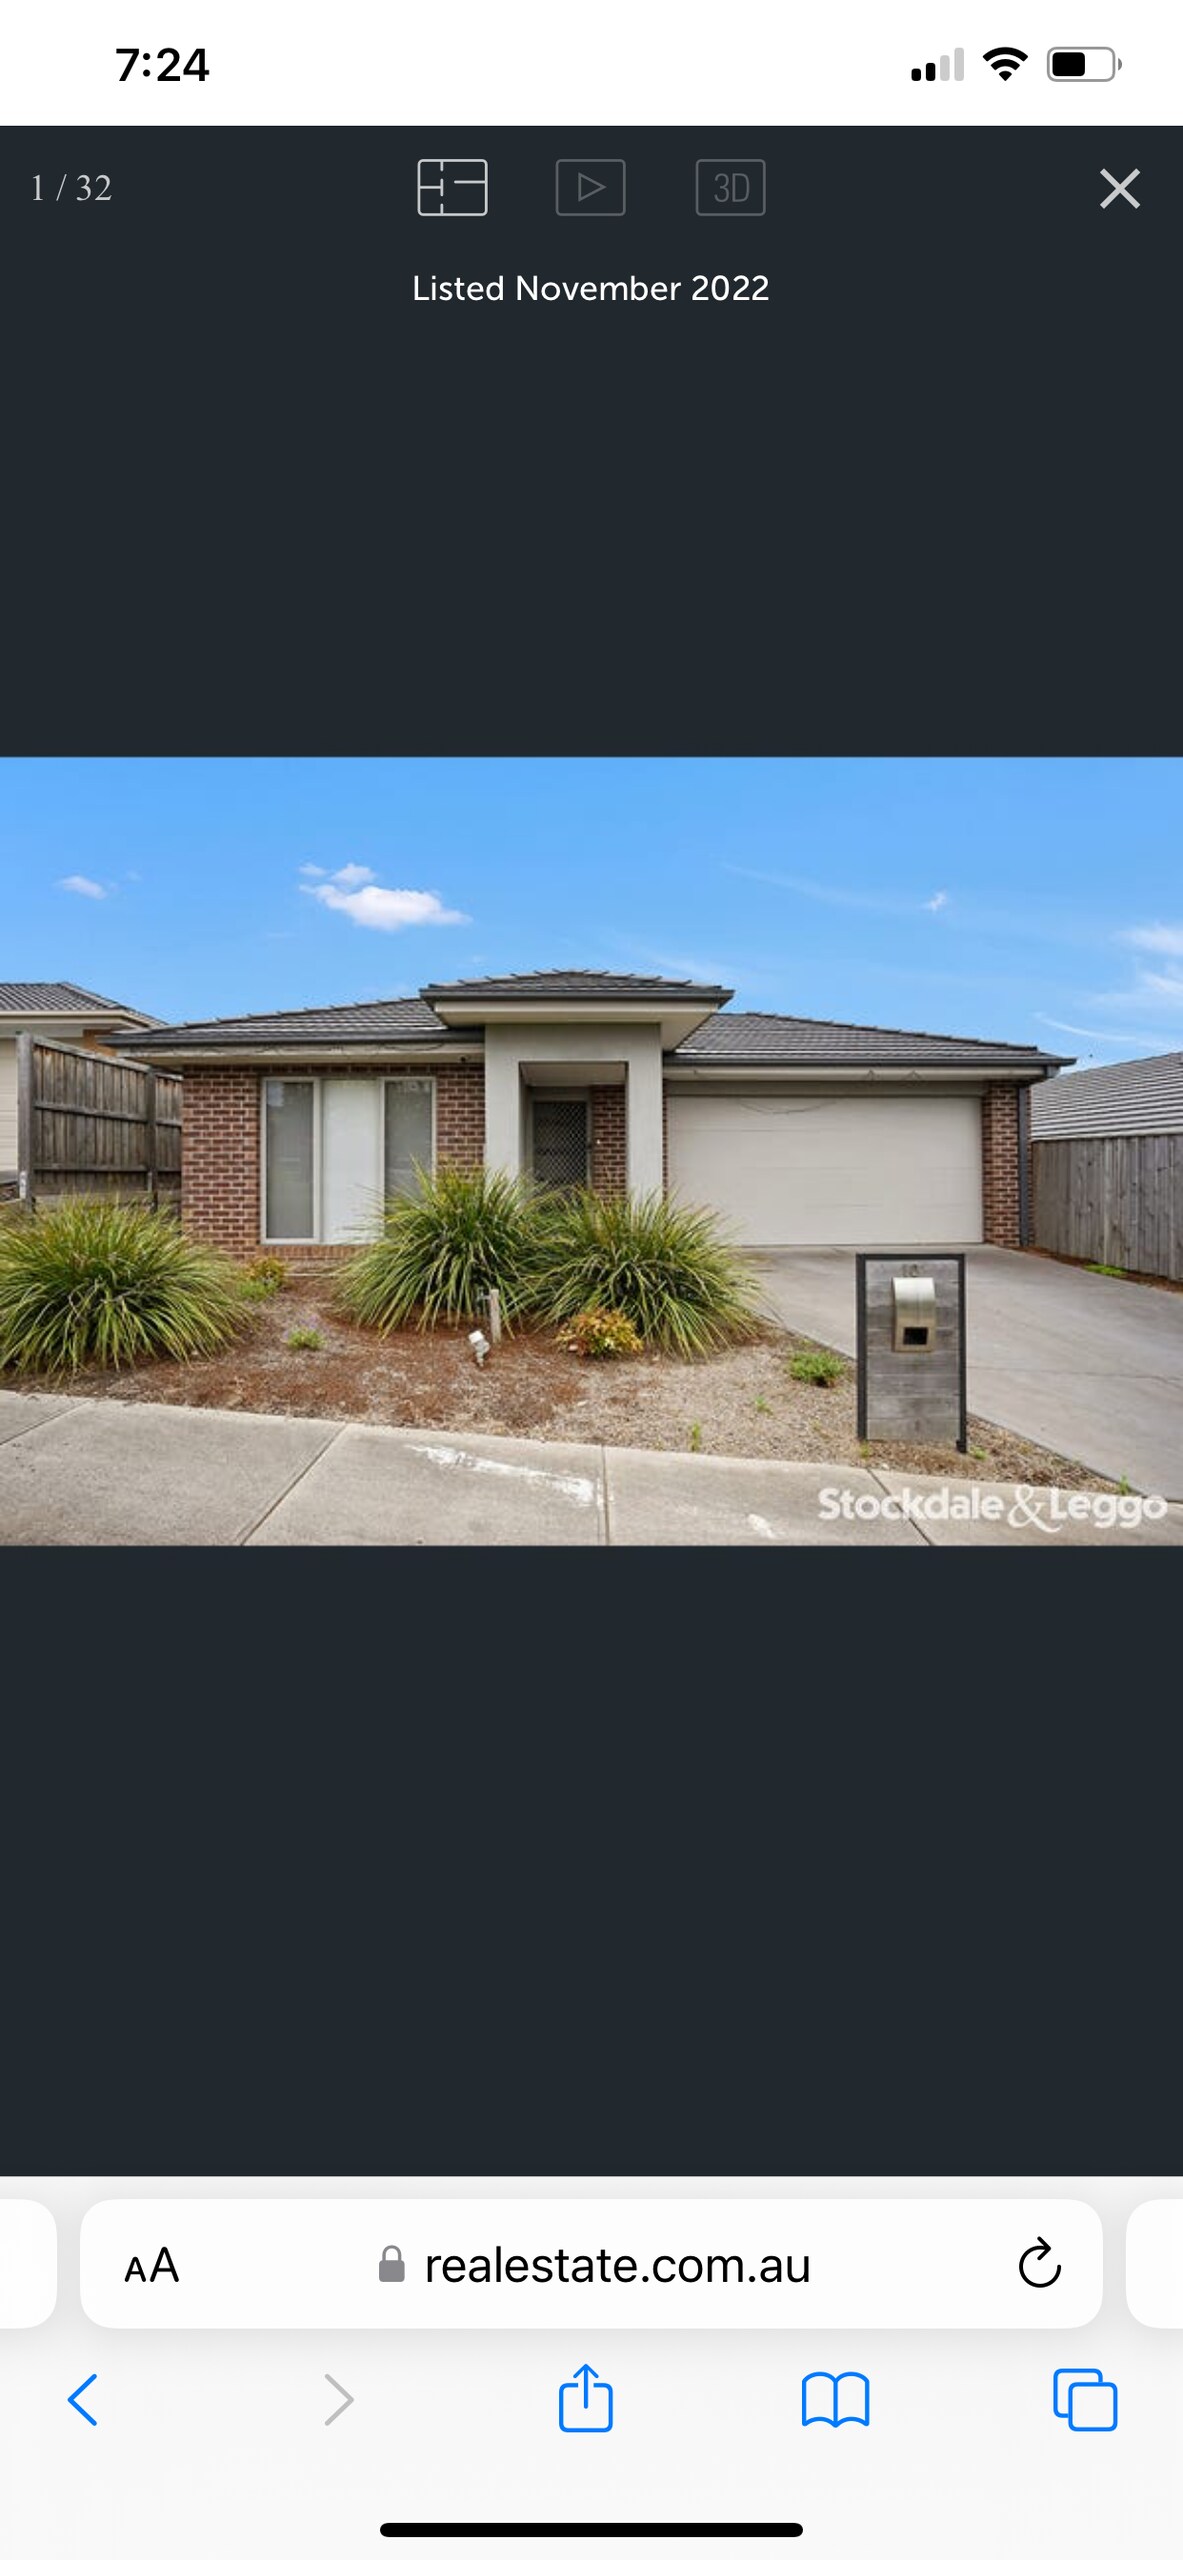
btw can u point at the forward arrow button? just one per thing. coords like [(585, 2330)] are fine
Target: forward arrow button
[(346, 2400)]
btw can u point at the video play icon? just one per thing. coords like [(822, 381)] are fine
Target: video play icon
[(589, 186)]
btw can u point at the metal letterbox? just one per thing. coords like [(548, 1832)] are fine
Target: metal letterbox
[(914, 1313)]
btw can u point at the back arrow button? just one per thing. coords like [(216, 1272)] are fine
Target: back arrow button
[(75, 2399)]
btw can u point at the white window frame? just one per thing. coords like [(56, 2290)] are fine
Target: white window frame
[(412, 1077), (316, 1082)]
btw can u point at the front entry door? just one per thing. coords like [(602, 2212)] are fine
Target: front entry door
[(560, 1141)]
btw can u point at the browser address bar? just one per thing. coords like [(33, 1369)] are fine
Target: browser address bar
[(807, 2263)]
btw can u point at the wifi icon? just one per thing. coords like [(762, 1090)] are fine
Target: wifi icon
[(1004, 59)]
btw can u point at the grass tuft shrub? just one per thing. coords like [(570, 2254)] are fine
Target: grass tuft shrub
[(442, 1248), (671, 1270), (108, 1282)]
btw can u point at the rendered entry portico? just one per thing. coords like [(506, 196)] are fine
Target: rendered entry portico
[(298, 1127), (571, 1037)]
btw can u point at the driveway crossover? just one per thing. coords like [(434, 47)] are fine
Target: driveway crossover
[(1090, 1367)]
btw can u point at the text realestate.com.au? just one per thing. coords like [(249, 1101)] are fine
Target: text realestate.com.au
[(599, 2266)]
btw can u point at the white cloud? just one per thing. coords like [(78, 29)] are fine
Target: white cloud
[(824, 891), (1152, 989), (353, 892), (352, 875), (1164, 938), (81, 886), (1109, 1039), (831, 894)]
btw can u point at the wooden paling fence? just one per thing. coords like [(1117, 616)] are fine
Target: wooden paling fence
[(90, 1123), (1116, 1200)]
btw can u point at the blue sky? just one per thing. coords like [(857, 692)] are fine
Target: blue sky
[(1037, 901)]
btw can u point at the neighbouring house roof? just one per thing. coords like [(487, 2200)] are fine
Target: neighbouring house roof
[(753, 1040), (42, 996), (790, 1040), (1136, 1095)]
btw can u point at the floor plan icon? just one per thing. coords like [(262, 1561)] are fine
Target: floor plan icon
[(453, 186), (835, 2400)]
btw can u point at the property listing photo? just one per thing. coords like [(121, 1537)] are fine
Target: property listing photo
[(760, 1162)]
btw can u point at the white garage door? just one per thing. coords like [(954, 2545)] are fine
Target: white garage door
[(859, 1169)]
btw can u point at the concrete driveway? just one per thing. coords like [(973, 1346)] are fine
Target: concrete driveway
[(1090, 1367)]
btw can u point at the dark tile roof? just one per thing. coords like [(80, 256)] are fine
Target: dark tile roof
[(727, 1040), (789, 1040), (1135, 1094), (58, 995), (544, 985), (335, 1026)]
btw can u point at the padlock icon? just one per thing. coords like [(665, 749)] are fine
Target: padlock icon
[(391, 2269)]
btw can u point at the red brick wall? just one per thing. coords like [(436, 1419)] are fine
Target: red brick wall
[(609, 1143), (221, 1156), (1000, 1165), (460, 1113)]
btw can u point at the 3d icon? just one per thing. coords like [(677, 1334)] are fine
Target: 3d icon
[(835, 2400), (585, 2404), (1081, 2394)]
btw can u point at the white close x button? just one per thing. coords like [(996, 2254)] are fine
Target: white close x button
[(1121, 187)]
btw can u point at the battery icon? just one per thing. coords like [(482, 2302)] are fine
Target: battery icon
[(1082, 62)]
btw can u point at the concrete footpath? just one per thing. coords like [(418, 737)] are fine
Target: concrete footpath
[(78, 1472)]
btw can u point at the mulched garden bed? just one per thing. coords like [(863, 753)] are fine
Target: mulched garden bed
[(742, 1403)]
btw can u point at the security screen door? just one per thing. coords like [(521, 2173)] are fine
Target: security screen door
[(560, 1141)]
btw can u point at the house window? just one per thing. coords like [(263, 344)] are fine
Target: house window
[(410, 1132), (290, 1157)]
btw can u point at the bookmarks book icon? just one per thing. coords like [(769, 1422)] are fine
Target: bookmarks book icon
[(835, 2400)]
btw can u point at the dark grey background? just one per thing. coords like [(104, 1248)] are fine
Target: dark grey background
[(661, 1863), (924, 499)]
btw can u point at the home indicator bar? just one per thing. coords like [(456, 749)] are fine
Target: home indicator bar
[(593, 2532)]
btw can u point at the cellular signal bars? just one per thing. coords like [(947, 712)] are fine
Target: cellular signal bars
[(929, 71)]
